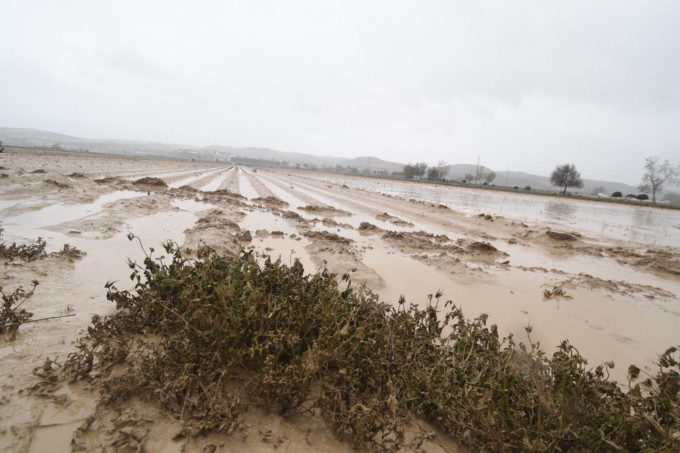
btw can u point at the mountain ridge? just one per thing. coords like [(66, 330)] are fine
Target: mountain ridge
[(40, 138)]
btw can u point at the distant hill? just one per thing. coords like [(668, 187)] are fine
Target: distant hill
[(46, 139), (39, 138), (521, 179), (361, 163), (518, 178)]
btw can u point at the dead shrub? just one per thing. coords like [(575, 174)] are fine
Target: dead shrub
[(12, 315), (35, 251), (195, 336)]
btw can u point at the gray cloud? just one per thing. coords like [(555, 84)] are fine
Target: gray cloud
[(525, 84)]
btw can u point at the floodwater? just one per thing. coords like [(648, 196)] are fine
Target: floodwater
[(21, 226), (215, 183), (164, 175), (640, 224), (195, 177), (245, 187)]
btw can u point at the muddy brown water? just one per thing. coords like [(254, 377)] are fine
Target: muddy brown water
[(608, 220)]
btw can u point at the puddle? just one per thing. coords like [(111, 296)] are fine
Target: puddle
[(602, 328), (601, 267), (282, 194), (217, 182), (166, 174), (192, 205), (106, 260), (245, 187), (190, 179), (22, 226), (4, 204), (635, 223), (359, 214), (285, 247)]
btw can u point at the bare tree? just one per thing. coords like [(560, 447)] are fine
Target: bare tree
[(443, 169), (420, 168), (439, 171), (657, 175), (566, 176)]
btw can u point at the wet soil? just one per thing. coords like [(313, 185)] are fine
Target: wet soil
[(622, 306)]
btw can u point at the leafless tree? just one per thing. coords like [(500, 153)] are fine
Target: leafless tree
[(420, 168), (566, 176), (656, 175), (439, 171), (443, 169)]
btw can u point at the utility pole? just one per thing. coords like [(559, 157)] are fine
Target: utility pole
[(506, 175)]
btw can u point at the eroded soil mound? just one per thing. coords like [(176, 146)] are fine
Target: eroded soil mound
[(273, 201), (150, 181), (558, 236), (366, 226), (327, 236), (325, 210)]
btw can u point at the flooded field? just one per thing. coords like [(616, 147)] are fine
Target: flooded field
[(504, 254), (607, 220)]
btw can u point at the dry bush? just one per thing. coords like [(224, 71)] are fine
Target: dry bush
[(198, 337), (12, 315), (35, 251)]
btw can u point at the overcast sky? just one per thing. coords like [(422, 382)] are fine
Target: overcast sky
[(526, 85)]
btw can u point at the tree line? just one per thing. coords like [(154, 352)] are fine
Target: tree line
[(656, 176), (440, 172)]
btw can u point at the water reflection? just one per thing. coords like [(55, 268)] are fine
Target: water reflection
[(637, 223), (556, 210)]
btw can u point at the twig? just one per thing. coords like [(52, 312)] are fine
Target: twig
[(40, 319)]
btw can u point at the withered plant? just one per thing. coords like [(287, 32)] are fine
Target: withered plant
[(207, 338)]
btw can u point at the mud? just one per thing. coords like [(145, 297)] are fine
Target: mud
[(623, 303), (327, 211)]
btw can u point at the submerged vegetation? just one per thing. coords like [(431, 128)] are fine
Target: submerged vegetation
[(201, 337), (12, 314), (26, 252), (35, 251)]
